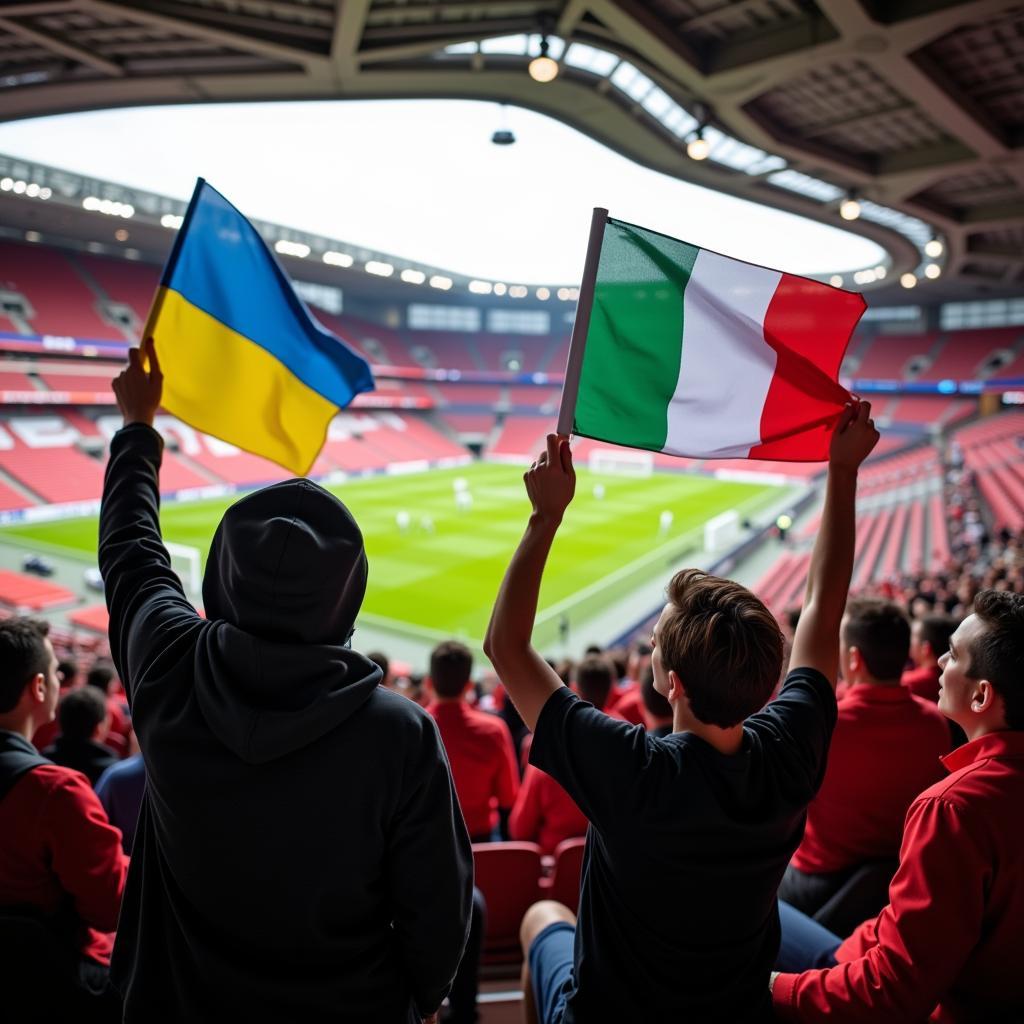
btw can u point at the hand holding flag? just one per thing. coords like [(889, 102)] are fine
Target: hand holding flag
[(137, 389)]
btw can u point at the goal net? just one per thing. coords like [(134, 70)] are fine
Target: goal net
[(722, 531), (620, 462), (188, 564)]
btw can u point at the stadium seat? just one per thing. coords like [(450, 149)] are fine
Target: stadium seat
[(564, 882), (509, 875)]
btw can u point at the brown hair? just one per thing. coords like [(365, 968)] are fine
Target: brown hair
[(724, 645), (998, 653), (23, 656), (881, 632), (451, 665), (595, 677)]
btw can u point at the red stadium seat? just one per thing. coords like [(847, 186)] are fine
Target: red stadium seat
[(508, 874), (564, 883)]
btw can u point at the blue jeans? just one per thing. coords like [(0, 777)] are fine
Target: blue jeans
[(551, 962), (805, 943)]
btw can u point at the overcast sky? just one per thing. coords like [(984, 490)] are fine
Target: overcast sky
[(421, 179)]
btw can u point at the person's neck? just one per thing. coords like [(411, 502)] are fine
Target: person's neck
[(20, 724), (975, 730), (726, 741), (448, 700), (871, 681)]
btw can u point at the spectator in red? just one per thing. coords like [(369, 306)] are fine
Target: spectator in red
[(67, 676), (84, 724), (478, 745), (627, 701), (929, 640), (544, 813), (657, 710), (947, 948), (103, 676), (60, 859), (885, 750)]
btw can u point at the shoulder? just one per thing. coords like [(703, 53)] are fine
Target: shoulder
[(399, 712)]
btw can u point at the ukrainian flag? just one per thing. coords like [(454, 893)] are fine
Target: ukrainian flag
[(241, 355)]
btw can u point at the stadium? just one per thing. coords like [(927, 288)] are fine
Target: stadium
[(885, 138)]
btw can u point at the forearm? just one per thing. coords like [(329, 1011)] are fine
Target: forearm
[(526, 677), (828, 578)]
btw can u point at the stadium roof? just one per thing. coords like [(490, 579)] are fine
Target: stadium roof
[(915, 105)]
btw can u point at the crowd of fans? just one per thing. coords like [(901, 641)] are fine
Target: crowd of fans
[(302, 851)]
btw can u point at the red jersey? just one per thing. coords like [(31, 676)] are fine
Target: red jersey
[(923, 682), (482, 760), (58, 842), (885, 750), (544, 813), (948, 946)]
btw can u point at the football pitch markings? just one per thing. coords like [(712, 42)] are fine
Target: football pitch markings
[(436, 569)]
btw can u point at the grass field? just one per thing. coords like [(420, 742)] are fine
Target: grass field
[(446, 580)]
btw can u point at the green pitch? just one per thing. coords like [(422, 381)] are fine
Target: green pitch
[(441, 572)]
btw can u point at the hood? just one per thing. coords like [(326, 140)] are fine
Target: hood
[(264, 700), (287, 564)]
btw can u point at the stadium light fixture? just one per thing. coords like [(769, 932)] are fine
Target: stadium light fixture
[(172, 220), (121, 235), (836, 280), (518, 291), (932, 271), (33, 236), (286, 247), (698, 147), (500, 289), (6, 184), (481, 287), (379, 268), (543, 293), (849, 208), (908, 280), (20, 186), (411, 276), (933, 247), (440, 282), (880, 272), (542, 68), (337, 259)]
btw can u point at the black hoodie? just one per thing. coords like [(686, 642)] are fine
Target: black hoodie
[(300, 854)]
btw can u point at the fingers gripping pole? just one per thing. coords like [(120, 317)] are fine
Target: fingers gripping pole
[(581, 323)]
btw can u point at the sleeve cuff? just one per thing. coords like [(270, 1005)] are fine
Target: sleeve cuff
[(555, 704), (784, 994)]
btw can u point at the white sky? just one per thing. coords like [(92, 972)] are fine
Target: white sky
[(421, 179)]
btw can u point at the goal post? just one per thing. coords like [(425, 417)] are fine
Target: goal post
[(620, 462), (722, 531), (188, 564)]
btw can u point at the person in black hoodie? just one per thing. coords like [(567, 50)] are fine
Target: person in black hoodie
[(300, 853)]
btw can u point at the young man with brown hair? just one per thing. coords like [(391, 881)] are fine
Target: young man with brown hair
[(947, 948), (690, 834)]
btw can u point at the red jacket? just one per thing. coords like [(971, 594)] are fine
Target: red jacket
[(544, 813), (482, 760), (57, 842), (923, 682), (885, 750), (948, 946)]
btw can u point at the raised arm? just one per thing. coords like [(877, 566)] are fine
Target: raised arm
[(526, 676), (816, 644), (137, 576)]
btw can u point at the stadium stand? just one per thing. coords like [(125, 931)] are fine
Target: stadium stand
[(463, 395), (55, 474), (13, 378), (992, 451), (888, 357), (30, 592), (126, 282), (61, 302)]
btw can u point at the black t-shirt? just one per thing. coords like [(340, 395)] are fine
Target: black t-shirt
[(678, 916)]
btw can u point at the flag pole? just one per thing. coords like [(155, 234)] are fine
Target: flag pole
[(581, 323)]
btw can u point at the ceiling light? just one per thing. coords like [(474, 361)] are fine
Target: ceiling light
[(411, 276), (33, 236), (6, 184), (849, 208), (171, 220), (289, 248), (500, 289), (698, 148), (932, 271), (121, 235), (20, 186), (441, 282), (337, 259), (518, 291), (481, 287), (908, 280), (379, 268), (543, 294), (542, 68), (933, 248), (45, 193), (880, 272), (836, 280), (32, 190)]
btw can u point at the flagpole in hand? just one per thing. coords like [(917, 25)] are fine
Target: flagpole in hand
[(138, 389), (581, 323)]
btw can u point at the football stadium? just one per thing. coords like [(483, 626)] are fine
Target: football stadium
[(383, 283)]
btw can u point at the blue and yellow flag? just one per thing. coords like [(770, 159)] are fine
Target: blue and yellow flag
[(241, 355)]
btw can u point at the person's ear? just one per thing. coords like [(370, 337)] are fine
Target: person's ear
[(37, 687), (676, 691), (854, 660), (983, 696)]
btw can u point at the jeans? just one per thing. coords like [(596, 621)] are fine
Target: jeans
[(805, 943)]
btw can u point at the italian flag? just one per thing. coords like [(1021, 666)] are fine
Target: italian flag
[(693, 353)]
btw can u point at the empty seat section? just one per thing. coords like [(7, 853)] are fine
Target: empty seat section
[(55, 474), (125, 281), (448, 351), (94, 377), (888, 355), (11, 499), (533, 397), (892, 553), (916, 553), (62, 302), (521, 436), (175, 475), (469, 394), (470, 422), (929, 409)]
